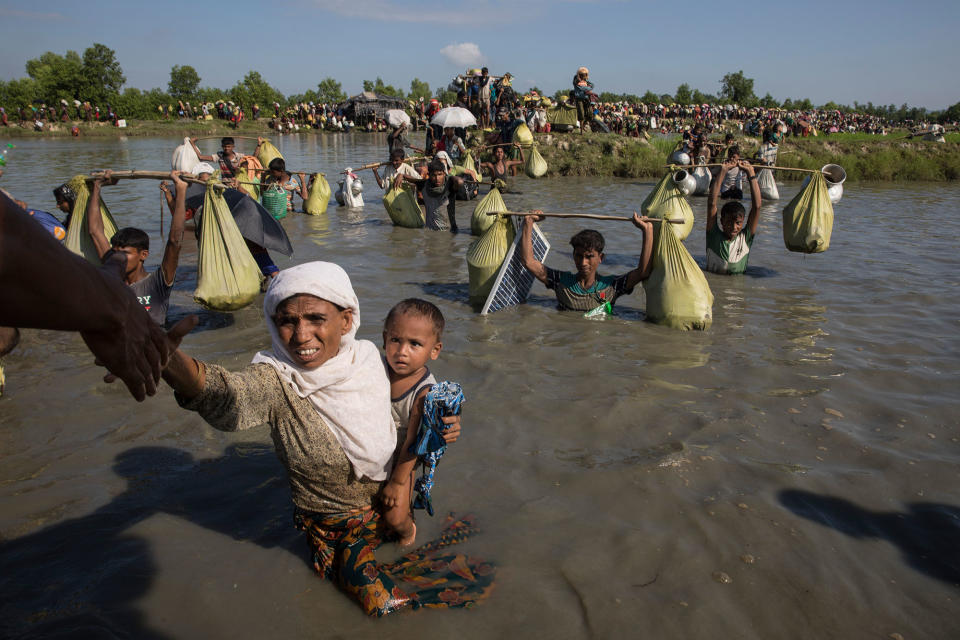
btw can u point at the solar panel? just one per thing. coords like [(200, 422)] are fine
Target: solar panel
[(514, 280)]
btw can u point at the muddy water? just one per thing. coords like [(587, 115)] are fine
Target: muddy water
[(792, 472)]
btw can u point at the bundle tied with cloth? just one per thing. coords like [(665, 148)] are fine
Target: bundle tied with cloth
[(486, 254), (677, 292), (666, 202), (534, 166), (808, 219), (184, 157), (78, 237), (402, 207), (318, 196), (228, 277)]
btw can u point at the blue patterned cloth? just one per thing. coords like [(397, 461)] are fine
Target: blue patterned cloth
[(444, 399)]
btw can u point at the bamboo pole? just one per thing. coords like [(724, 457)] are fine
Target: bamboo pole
[(148, 175), (377, 165), (592, 216), (755, 166), (227, 136)]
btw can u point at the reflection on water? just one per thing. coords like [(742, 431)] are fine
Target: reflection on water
[(617, 465)]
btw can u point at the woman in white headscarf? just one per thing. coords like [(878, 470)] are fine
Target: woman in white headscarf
[(326, 397)]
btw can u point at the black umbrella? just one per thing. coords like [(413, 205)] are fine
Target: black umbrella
[(255, 223)]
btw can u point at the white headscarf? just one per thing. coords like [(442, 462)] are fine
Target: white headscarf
[(350, 391)]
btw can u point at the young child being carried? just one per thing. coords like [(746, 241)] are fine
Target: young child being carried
[(411, 338), (585, 290)]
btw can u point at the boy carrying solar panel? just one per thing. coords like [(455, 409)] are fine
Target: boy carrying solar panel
[(584, 290)]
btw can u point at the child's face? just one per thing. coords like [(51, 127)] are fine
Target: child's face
[(409, 342), (587, 261), (731, 224)]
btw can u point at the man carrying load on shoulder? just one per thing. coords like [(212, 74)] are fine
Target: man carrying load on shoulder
[(396, 171), (585, 290), (151, 289), (228, 158), (729, 242)]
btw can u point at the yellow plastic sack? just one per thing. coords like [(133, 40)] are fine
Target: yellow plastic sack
[(228, 277), (535, 166), (666, 201), (480, 221), (678, 295), (78, 237), (808, 219), (485, 255), (267, 152), (522, 135), (469, 163), (403, 209), (319, 196)]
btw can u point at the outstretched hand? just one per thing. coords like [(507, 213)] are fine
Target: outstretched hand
[(642, 222)]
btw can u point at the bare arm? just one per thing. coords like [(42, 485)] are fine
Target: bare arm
[(755, 199), (95, 218), (526, 250), (376, 175), (171, 253), (65, 292), (193, 143), (645, 265), (715, 194)]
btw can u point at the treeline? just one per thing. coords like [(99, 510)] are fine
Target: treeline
[(97, 77)]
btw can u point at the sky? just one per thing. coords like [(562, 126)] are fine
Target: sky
[(876, 51)]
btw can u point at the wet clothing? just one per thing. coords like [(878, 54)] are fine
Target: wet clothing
[(728, 256), (405, 169), (290, 186), (229, 167), (50, 223), (572, 297), (402, 407), (154, 294), (440, 207)]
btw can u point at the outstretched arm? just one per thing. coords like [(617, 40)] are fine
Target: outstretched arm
[(171, 253), (755, 199), (526, 249), (645, 265), (715, 187), (95, 218), (193, 143)]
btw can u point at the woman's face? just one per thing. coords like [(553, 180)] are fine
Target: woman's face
[(311, 328)]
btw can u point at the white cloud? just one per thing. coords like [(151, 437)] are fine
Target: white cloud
[(464, 53)]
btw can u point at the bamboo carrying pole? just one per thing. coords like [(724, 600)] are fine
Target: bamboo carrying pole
[(592, 216), (758, 167), (377, 165), (148, 175), (227, 136)]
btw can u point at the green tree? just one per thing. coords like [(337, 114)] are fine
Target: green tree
[(254, 89), (330, 91), (18, 93), (57, 77), (951, 114), (737, 88), (448, 97), (650, 97), (683, 95), (384, 89), (103, 75), (561, 95), (769, 102), (184, 82), (419, 89)]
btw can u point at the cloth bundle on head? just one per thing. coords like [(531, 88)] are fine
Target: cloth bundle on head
[(202, 167), (350, 391)]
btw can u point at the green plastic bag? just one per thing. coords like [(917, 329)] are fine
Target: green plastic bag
[(667, 202), (480, 221), (469, 163), (78, 237), (808, 219), (678, 295), (267, 152), (535, 166), (485, 255), (319, 195), (252, 190), (522, 135), (403, 209), (275, 201), (228, 277)]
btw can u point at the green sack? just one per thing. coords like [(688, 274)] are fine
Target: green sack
[(678, 295), (667, 202), (403, 209), (267, 152), (480, 221), (467, 162), (319, 195), (78, 237), (522, 135), (808, 219), (485, 255), (252, 190), (535, 166), (228, 277)]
